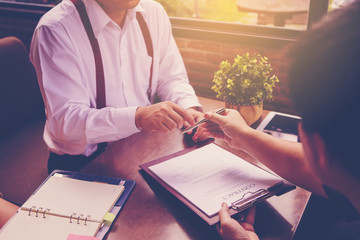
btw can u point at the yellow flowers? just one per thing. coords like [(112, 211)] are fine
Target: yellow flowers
[(247, 81)]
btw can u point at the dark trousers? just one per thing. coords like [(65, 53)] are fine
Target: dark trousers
[(70, 162)]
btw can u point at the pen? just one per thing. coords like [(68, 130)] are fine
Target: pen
[(220, 111)]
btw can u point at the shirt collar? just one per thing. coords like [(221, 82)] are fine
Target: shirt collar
[(99, 19)]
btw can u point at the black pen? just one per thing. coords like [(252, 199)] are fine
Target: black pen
[(220, 111)]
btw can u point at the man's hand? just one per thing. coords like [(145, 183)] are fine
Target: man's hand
[(197, 115), (230, 229), (163, 117)]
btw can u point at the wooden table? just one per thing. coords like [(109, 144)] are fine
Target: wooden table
[(152, 213), (280, 10)]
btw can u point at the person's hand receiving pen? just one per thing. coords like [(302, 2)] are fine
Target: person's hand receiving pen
[(229, 126), (202, 133), (199, 135), (197, 115)]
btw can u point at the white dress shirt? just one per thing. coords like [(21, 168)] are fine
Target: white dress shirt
[(65, 67)]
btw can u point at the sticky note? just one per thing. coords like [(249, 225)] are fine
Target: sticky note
[(80, 237), (109, 218)]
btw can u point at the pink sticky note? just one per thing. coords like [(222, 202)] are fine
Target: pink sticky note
[(80, 237)]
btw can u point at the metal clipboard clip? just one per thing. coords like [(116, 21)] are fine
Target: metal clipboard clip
[(253, 198)]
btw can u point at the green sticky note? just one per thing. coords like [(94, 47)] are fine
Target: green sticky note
[(109, 218)]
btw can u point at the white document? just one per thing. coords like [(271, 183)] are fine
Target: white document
[(66, 196), (24, 227), (211, 175)]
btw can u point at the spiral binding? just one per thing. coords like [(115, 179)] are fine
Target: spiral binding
[(30, 210), (79, 218), (48, 209), (73, 216), (37, 211)]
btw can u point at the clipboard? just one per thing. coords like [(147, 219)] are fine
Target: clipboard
[(246, 200)]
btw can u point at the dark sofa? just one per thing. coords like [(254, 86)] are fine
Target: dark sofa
[(23, 153)]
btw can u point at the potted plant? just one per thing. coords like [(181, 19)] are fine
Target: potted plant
[(245, 84)]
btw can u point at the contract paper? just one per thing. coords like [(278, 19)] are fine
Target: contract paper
[(211, 175)]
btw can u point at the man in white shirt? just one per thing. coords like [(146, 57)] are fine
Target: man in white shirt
[(65, 67)]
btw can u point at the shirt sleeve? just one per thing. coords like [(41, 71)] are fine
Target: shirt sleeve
[(72, 118), (173, 80)]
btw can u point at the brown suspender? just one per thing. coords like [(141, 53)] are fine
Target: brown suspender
[(100, 80), (149, 47)]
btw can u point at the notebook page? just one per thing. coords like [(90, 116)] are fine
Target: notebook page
[(22, 226), (211, 175), (67, 196)]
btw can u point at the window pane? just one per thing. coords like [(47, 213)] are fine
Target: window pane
[(281, 13), (334, 4), (43, 2)]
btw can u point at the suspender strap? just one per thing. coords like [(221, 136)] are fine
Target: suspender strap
[(100, 82), (149, 47)]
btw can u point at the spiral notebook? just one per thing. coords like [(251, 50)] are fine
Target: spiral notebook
[(68, 203)]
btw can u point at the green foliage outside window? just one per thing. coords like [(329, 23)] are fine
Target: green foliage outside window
[(224, 10), (183, 8)]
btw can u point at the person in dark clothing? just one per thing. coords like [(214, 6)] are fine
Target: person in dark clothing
[(324, 79)]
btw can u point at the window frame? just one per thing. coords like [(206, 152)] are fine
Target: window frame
[(241, 33), (23, 10), (198, 28)]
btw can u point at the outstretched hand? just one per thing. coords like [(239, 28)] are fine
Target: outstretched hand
[(230, 229), (197, 115), (230, 126), (163, 117)]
